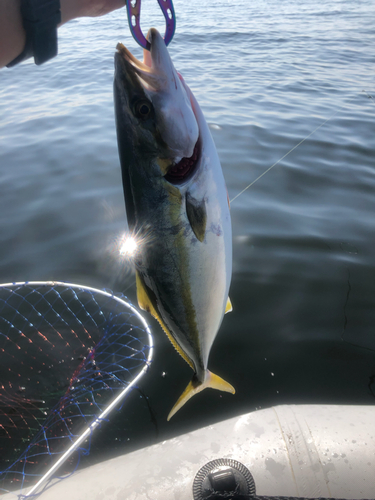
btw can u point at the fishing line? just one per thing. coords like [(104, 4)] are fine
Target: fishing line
[(286, 154), (369, 96), (291, 150)]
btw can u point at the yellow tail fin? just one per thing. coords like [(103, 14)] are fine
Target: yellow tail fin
[(213, 381)]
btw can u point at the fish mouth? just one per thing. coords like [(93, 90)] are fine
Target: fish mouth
[(153, 72), (147, 77), (182, 171)]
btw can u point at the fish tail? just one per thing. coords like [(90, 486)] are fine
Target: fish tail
[(211, 380)]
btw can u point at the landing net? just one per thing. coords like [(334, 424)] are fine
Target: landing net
[(69, 355)]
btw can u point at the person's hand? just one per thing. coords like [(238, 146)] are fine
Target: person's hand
[(70, 9), (12, 33)]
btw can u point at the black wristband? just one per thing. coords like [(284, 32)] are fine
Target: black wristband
[(40, 19)]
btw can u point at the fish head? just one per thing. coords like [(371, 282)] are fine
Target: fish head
[(153, 108)]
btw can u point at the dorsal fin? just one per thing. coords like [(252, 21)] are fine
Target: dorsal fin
[(145, 303)]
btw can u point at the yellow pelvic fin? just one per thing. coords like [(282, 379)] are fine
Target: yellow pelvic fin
[(228, 307), (146, 304), (213, 381)]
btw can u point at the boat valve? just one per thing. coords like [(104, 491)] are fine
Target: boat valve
[(223, 478)]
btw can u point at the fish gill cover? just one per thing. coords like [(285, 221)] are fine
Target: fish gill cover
[(68, 355)]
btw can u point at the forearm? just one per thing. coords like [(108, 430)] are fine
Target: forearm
[(12, 33), (70, 9)]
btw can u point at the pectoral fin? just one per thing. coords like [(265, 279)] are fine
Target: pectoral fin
[(145, 302), (228, 307), (213, 381), (197, 214)]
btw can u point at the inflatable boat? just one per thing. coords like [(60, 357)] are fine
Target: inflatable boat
[(309, 451)]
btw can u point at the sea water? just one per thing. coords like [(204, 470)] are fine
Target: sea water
[(269, 76)]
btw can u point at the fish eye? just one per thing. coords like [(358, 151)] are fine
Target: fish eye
[(143, 109)]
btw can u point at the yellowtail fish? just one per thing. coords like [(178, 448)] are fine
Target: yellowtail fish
[(177, 206)]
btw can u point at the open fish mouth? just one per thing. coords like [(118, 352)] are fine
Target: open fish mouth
[(148, 78), (185, 168)]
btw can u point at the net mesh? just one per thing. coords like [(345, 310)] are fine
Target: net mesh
[(66, 353)]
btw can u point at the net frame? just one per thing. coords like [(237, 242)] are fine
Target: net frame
[(116, 401)]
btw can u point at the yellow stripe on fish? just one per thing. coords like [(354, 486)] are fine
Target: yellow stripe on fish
[(145, 303)]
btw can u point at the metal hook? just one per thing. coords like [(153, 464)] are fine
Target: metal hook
[(134, 12)]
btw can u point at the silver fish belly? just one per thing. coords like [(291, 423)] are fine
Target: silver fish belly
[(177, 207)]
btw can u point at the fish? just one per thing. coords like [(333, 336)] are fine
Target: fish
[(177, 207)]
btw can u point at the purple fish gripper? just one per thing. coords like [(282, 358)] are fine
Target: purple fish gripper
[(134, 12)]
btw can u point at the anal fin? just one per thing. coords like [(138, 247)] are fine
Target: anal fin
[(228, 307)]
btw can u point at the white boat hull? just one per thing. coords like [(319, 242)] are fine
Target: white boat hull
[(305, 450)]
